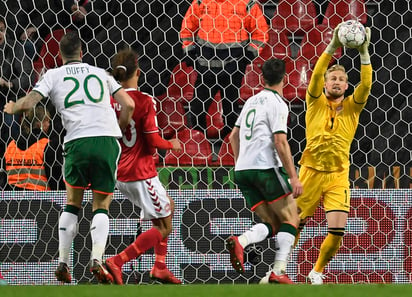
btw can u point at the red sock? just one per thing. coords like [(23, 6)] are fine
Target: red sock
[(143, 242), (160, 250)]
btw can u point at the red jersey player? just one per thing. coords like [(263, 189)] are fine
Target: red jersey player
[(137, 175)]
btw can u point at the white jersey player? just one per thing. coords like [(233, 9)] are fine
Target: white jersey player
[(262, 116), (81, 94), (263, 168)]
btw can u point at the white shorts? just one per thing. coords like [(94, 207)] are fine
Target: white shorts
[(149, 195)]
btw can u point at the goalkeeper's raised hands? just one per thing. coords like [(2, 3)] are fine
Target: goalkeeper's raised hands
[(334, 43), (363, 49)]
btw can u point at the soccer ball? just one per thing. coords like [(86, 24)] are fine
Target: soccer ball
[(351, 34)]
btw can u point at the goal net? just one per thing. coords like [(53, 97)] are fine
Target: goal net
[(209, 207)]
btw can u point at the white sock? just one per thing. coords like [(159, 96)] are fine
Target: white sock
[(67, 232), (284, 245), (99, 230), (255, 234)]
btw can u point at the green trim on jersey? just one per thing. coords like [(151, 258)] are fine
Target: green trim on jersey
[(39, 93), (288, 228), (72, 209), (100, 210), (117, 90), (273, 91)]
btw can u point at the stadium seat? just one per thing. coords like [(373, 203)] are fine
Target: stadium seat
[(276, 46), (298, 74), (214, 118), (252, 82), (315, 42), (170, 116), (295, 17), (196, 150), (338, 11), (182, 82), (225, 156), (49, 53)]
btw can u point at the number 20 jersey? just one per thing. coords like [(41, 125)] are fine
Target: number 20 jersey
[(81, 94)]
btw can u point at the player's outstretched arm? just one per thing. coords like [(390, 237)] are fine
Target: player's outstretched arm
[(334, 43), (362, 91), (316, 84), (363, 49), (23, 104)]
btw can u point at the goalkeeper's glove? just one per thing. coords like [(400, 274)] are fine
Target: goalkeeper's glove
[(363, 49), (334, 44)]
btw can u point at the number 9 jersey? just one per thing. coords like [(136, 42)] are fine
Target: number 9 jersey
[(262, 116), (81, 94)]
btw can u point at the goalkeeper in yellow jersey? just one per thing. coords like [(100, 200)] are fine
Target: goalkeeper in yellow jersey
[(331, 123)]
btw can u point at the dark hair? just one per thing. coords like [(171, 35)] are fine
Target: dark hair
[(34, 117), (273, 71), (124, 64), (70, 45)]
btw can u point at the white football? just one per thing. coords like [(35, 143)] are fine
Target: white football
[(351, 34)]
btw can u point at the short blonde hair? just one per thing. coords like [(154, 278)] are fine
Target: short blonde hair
[(336, 67)]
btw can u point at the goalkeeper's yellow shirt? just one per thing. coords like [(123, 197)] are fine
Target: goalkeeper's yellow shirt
[(331, 127)]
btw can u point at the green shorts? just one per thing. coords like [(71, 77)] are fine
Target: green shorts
[(91, 162), (259, 185)]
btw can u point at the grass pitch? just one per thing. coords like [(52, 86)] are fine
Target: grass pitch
[(330, 290)]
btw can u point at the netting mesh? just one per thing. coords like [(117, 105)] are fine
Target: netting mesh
[(376, 248)]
